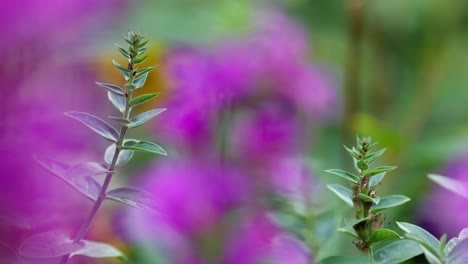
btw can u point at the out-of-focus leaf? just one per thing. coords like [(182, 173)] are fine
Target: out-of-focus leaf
[(427, 240), (117, 100), (112, 88), (143, 117), (397, 252), (140, 81), (124, 71), (456, 186), (345, 175), (124, 155), (142, 50), (96, 124), (77, 176), (367, 198), (143, 145), (379, 170), (134, 197), (49, 245), (388, 202), (144, 70), (383, 235), (345, 260), (98, 250), (342, 192), (142, 98), (459, 254), (374, 180)]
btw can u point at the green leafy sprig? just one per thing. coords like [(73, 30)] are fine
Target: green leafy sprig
[(367, 227), (56, 244)]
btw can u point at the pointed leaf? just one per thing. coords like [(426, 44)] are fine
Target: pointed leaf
[(143, 145), (142, 98), (77, 176), (134, 197), (367, 198), (383, 235), (49, 245), (379, 170), (143, 117), (142, 50), (124, 155), (96, 124), (345, 260), (388, 202), (342, 192), (122, 51), (371, 157), (124, 71), (397, 252), (117, 100), (353, 153), (456, 186), (98, 250), (349, 230), (376, 179), (344, 174), (112, 88), (422, 236), (140, 59), (144, 70), (140, 81)]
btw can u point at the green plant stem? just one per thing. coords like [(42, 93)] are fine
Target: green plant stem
[(102, 193)]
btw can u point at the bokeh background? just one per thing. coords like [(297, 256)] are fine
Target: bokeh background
[(261, 96)]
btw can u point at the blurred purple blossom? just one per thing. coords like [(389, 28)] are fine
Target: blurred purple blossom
[(451, 209)]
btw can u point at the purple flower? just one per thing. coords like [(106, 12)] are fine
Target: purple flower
[(445, 211)]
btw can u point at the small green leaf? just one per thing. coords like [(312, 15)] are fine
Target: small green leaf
[(140, 59), (96, 124), (143, 145), (142, 49), (353, 153), (371, 157), (383, 235), (124, 71), (456, 186), (142, 98), (374, 180), (122, 51), (388, 202), (98, 250), (342, 192), (345, 260), (140, 81), (397, 252), (144, 70), (367, 198), (379, 170), (362, 165), (143, 117), (348, 229), (112, 88), (117, 100), (344, 174)]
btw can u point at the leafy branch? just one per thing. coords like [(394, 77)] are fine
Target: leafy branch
[(80, 176)]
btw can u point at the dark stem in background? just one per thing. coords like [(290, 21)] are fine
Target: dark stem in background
[(351, 90)]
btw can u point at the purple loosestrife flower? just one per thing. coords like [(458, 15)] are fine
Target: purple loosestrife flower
[(445, 211)]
